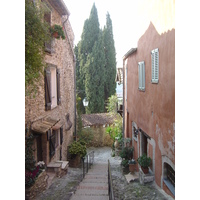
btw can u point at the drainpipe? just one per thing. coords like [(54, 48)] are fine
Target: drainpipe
[(74, 60), (123, 102)]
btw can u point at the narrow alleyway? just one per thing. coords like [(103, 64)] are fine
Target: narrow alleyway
[(70, 187)]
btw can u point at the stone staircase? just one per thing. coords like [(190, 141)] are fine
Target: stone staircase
[(94, 185)]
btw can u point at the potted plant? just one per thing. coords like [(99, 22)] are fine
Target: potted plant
[(77, 151), (131, 164), (126, 154), (144, 162), (57, 32)]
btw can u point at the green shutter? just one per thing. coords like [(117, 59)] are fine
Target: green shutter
[(58, 86)]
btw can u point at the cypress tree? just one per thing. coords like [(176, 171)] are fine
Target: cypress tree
[(95, 74), (110, 55), (89, 36)]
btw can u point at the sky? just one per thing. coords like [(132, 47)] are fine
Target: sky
[(124, 20)]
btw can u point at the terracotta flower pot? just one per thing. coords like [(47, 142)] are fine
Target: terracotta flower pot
[(55, 34), (145, 170), (132, 167)]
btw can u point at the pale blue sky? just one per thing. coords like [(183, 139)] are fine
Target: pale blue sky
[(124, 20)]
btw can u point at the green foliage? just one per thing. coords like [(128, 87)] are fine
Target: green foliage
[(58, 29), (144, 161), (76, 148), (85, 136), (94, 79), (96, 63), (36, 34), (29, 153), (110, 56), (126, 153), (115, 130), (124, 163), (112, 104)]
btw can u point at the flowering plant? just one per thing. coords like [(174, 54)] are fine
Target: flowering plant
[(41, 164), (30, 176)]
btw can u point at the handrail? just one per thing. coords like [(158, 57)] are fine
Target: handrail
[(89, 158), (110, 185)]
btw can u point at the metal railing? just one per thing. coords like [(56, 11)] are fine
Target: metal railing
[(87, 161), (110, 185)]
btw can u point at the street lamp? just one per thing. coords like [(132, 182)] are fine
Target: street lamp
[(85, 102)]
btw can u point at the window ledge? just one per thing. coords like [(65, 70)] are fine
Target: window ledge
[(170, 186)]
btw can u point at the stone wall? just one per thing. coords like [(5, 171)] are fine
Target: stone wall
[(38, 187), (63, 58), (99, 136)]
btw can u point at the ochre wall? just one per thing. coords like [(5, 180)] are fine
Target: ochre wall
[(153, 110)]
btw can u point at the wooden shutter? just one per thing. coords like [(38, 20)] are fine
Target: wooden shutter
[(52, 142), (61, 135), (58, 86), (155, 65), (48, 89), (47, 18)]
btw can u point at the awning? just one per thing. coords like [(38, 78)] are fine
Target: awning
[(45, 124)]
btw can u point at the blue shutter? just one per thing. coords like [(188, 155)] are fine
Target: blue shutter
[(141, 73), (155, 65)]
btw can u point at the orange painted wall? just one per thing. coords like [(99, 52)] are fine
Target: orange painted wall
[(154, 110)]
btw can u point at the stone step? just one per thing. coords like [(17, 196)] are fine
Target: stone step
[(59, 167), (89, 197), (64, 164), (54, 167)]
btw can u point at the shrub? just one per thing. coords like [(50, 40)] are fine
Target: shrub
[(76, 148)]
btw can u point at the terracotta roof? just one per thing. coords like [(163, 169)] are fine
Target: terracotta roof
[(97, 119)]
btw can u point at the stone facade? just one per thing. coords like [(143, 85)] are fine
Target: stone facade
[(38, 187), (61, 58)]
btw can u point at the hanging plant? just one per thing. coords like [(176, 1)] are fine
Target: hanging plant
[(57, 32)]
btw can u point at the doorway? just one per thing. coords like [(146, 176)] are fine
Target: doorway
[(39, 148), (144, 143)]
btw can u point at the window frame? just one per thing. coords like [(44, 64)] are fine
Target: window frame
[(155, 66), (141, 76)]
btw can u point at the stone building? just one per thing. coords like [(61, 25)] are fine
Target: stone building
[(149, 91), (50, 114)]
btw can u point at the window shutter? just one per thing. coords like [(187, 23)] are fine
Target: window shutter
[(141, 72), (61, 135), (58, 86), (143, 76), (48, 89), (155, 65), (140, 75)]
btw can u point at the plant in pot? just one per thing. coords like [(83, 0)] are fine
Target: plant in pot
[(57, 32), (126, 154), (144, 162), (77, 151), (131, 164)]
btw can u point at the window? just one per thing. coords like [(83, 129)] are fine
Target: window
[(169, 177), (141, 72), (52, 87), (155, 65), (134, 131)]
